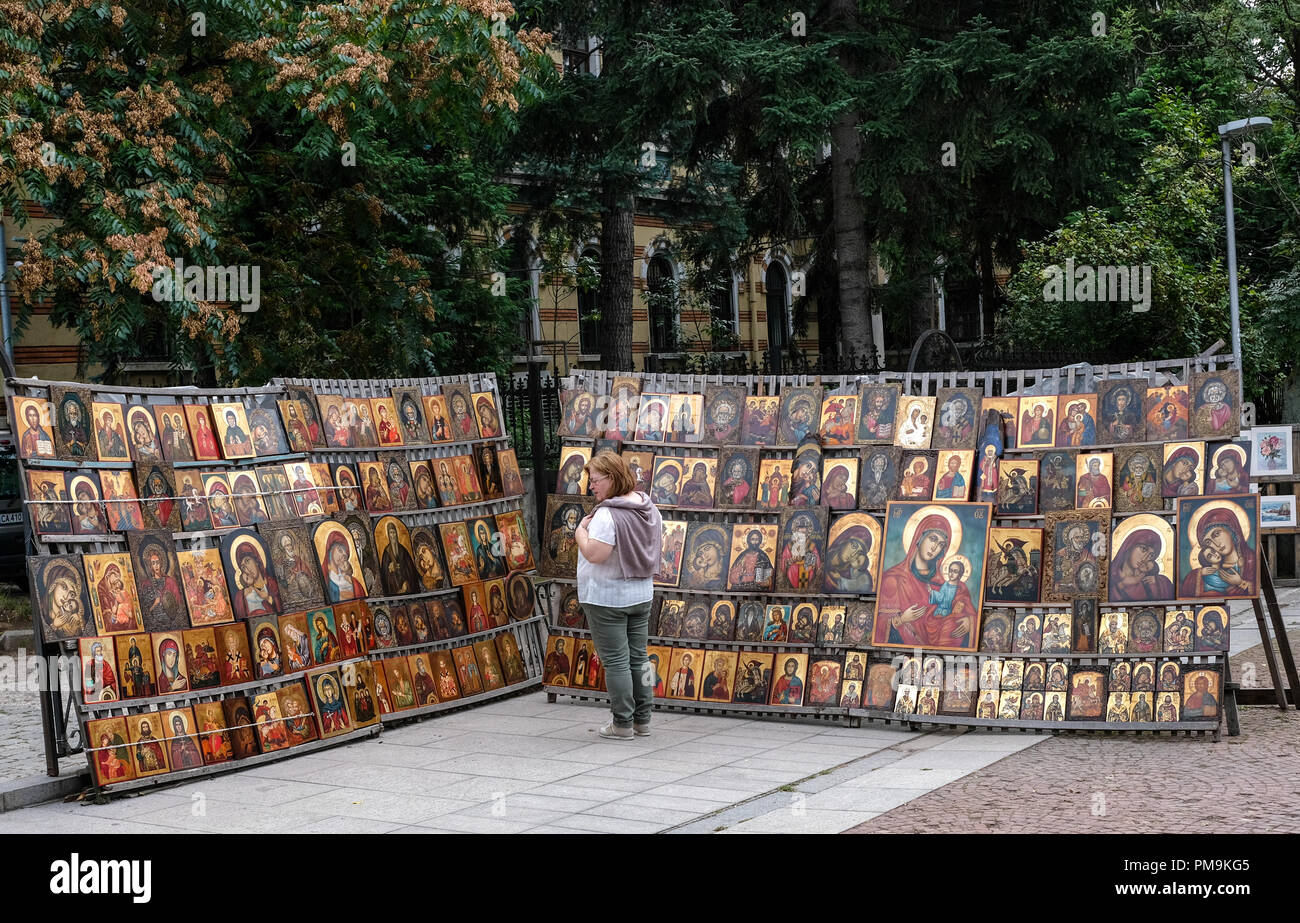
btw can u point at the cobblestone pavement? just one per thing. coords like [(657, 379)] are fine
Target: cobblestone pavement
[(22, 747), (1246, 784)]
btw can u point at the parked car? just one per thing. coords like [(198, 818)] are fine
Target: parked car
[(13, 532)]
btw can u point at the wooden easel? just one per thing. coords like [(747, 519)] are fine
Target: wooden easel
[(1285, 695)]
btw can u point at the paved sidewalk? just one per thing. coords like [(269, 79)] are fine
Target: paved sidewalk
[(523, 765)]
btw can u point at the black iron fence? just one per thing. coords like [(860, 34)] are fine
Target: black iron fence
[(520, 404)]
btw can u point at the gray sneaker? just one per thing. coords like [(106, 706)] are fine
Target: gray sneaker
[(617, 733), (642, 730)]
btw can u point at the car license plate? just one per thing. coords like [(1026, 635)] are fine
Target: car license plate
[(7, 519)]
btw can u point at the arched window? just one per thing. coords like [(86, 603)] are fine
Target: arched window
[(588, 310), (778, 307), (722, 297), (661, 294)]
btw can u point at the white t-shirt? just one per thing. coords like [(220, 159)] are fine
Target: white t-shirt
[(604, 584)]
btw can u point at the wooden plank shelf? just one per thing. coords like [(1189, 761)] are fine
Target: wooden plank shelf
[(383, 653), (1200, 727), (407, 714)]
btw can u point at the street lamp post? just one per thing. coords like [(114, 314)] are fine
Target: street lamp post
[(1227, 132)]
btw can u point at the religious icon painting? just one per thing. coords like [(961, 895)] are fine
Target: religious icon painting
[(269, 722), (684, 674), (1137, 480), (988, 456), (1035, 677), (1013, 674), (652, 418), (557, 667), (360, 692), (221, 508), (1056, 484), (879, 407), (235, 658), (851, 693), (699, 475), (59, 589), (1218, 547), (1031, 706), (909, 671), (204, 581), (358, 413), (1145, 629), (265, 429), (1084, 613), (250, 576), (722, 621), (274, 486), (773, 483), (753, 551), (1113, 637), (878, 693), (1121, 676), (476, 608), (958, 703), (249, 508), (1211, 629), (336, 555), (121, 503), (1093, 476), (87, 510), (641, 464), (736, 474), (1228, 469), (471, 681), (957, 418), (905, 701), (954, 470), (1029, 634), (570, 614), (996, 632), (1058, 676), (71, 427), (915, 422), (931, 585), (559, 545), (799, 415), (1183, 469), (306, 400), (674, 544), (749, 622), (1167, 413), (704, 560), (519, 597), (1120, 404), (294, 420), (1014, 569), (917, 480), (1179, 631), (801, 549), (461, 414), (1006, 410), (1087, 694), (387, 426), (489, 664), (839, 421), (336, 427), (1144, 676), (1057, 632), (110, 580), (1009, 701), (759, 421), (146, 735), (427, 551), (239, 721), (578, 414), (488, 468), (684, 411), (233, 430), (422, 682), (839, 478), (1169, 679), (666, 483), (853, 552), (401, 690), (776, 623), (410, 416), (990, 674), (135, 664), (213, 735), (99, 670), (790, 676), (297, 714), (881, 472), (1075, 559), (178, 727), (1017, 487), (1214, 412), (1037, 416), (484, 540), (855, 665), (51, 509), (1076, 416), (803, 624), (171, 672), (109, 427), (203, 435), (987, 705), (830, 626), (824, 684), (1142, 562), (324, 637), (931, 670), (572, 479), (621, 415), (201, 657), (858, 623), (1118, 707)]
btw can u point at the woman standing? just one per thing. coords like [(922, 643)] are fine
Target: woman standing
[(619, 544)]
